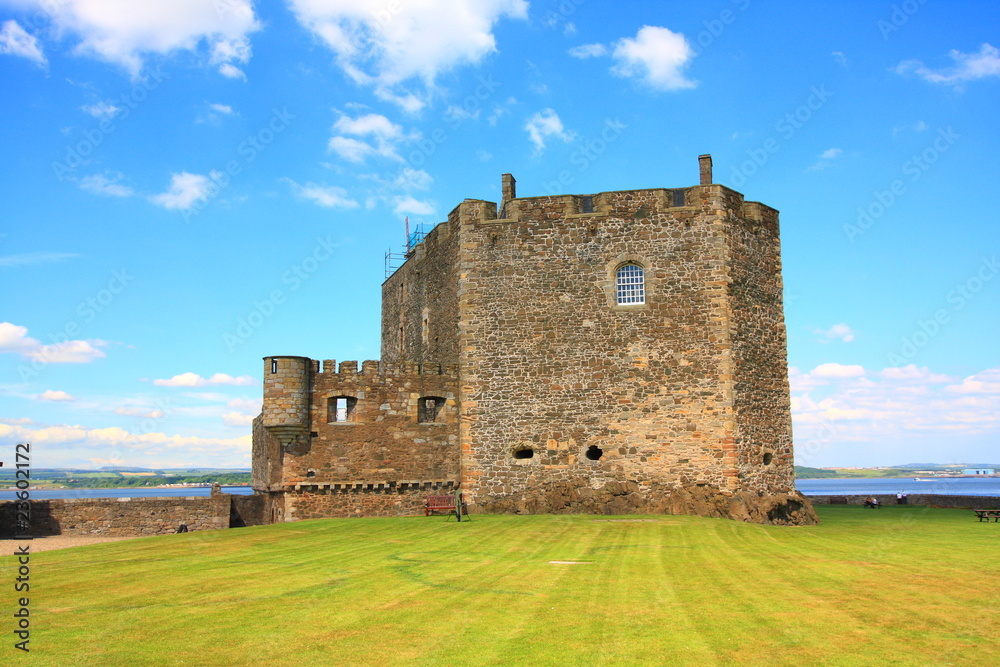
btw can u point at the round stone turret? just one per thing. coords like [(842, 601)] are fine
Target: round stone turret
[(287, 385)]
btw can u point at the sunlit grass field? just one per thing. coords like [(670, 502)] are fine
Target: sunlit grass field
[(899, 586)]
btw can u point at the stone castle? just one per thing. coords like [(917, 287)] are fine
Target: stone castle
[(614, 353)]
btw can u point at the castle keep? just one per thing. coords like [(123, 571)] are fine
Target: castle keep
[(618, 352)]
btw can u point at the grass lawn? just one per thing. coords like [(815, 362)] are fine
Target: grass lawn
[(900, 586)]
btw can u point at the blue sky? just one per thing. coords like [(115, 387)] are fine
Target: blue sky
[(190, 186)]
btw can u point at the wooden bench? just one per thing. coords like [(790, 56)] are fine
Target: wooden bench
[(445, 504), (987, 515)]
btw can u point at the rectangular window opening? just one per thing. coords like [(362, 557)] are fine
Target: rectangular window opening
[(586, 204), (340, 409)]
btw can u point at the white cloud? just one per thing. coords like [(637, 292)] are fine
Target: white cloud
[(195, 380), (15, 41), (245, 405), (892, 415), (837, 332), (33, 258), (64, 444), (656, 56), (835, 370), (15, 340), (185, 191), (986, 382), (237, 419), (589, 51), (544, 125), (101, 110), (50, 395), (378, 136), (329, 196), (967, 67), (105, 185), (386, 45), (124, 33), (912, 372), (831, 153), (840, 58), (145, 413), (412, 179), (408, 204), (221, 108)]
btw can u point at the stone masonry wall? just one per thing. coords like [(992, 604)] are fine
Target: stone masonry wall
[(551, 363), (421, 300), (120, 516), (382, 440), (760, 376), (347, 501)]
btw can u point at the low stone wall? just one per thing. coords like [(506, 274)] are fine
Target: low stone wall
[(358, 500), (932, 500), (119, 517)]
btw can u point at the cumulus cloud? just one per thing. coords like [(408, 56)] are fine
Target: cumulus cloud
[(15, 41), (72, 445), (106, 184), (545, 125), (15, 340), (839, 331), (408, 204), (986, 382), (387, 45), (185, 191), (834, 370), (966, 67), (412, 179), (329, 196), (221, 108), (367, 135), (656, 57), (245, 405), (195, 380), (124, 33), (894, 412), (55, 396)]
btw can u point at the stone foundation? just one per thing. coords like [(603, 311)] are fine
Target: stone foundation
[(631, 498)]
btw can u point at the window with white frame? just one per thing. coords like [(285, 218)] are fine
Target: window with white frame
[(630, 285)]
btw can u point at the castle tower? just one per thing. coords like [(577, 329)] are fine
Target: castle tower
[(287, 389), (612, 352)]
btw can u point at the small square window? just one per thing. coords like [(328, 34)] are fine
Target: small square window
[(429, 408)]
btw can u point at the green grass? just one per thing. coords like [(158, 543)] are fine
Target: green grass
[(901, 586)]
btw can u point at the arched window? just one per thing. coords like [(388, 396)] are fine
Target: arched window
[(630, 285)]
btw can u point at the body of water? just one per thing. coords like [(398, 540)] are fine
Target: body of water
[(961, 486), (170, 492), (957, 486)]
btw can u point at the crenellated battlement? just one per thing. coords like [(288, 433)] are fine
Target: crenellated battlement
[(374, 367)]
